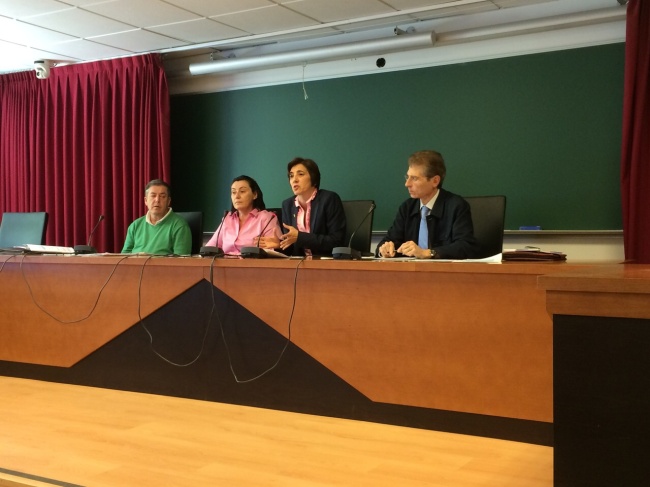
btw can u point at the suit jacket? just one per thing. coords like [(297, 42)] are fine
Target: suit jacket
[(327, 223), (451, 232)]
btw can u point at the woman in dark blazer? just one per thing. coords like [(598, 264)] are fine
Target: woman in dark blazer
[(313, 219)]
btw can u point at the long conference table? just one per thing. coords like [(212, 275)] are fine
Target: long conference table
[(459, 346)]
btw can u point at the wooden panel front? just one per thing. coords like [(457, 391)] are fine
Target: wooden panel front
[(56, 310), (463, 337)]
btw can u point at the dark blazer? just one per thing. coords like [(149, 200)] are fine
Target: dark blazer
[(327, 223), (451, 232)]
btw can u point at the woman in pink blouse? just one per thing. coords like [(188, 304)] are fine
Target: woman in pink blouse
[(247, 219)]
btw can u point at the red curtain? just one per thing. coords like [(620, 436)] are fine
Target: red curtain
[(83, 143), (635, 159)]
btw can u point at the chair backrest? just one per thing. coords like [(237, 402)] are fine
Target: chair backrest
[(355, 212), (278, 213), (23, 228), (195, 220), (488, 217)]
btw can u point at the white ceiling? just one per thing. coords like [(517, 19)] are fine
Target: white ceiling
[(69, 31)]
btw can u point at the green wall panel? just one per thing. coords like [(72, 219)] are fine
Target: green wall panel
[(543, 129)]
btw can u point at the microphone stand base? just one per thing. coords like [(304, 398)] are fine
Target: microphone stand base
[(345, 253), (253, 253), (84, 249), (210, 251)]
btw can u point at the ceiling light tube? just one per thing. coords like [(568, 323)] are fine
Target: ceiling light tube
[(339, 51), (613, 14)]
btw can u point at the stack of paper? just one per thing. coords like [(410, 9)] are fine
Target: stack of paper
[(45, 249)]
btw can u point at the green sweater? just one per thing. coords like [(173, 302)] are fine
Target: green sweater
[(170, 236)]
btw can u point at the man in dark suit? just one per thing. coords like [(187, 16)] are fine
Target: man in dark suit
[(433, 223)]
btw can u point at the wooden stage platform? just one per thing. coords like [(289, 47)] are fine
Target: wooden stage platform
[(68, 436)]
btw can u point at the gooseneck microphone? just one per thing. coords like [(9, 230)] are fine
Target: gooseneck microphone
[(256, 252), (348, 253), (88, 249), (210, 250)]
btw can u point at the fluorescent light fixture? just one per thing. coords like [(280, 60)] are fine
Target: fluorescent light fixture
[(594, 17), (339, 51)]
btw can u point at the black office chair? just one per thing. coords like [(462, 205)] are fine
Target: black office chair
[(488, 217), (355, 212), (195, 220), (22, 228)]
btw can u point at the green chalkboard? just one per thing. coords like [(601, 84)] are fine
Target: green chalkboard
[(542, 129)]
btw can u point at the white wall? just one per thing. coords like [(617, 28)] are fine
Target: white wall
[(578, 246)]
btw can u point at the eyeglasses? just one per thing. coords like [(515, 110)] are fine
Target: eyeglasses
[(414, 179)]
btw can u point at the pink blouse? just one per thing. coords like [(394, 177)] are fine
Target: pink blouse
[(231, 238)]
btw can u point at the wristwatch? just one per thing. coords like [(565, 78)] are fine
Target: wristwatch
[(433, 254)]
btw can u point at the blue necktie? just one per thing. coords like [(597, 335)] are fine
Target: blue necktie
[(423, 235)]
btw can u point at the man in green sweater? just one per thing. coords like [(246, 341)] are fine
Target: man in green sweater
[(160, 231)]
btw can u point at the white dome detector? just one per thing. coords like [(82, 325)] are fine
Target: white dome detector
[(42, 68)]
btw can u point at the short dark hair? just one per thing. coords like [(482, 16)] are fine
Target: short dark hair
[(432, 162), (312, 169), (258, 203), (158, 182)]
